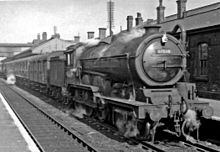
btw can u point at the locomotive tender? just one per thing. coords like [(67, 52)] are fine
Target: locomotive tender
[(133, 80)]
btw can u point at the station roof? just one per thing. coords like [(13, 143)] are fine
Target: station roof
[(198, 18), (16, 44)]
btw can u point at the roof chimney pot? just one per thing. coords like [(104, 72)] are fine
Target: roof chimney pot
[(55, 30), (102, 33), (129, 22), (91, 35), (44, 36), (160, 12), (181, 8), (138, 19), (38, 36), (76, 39)]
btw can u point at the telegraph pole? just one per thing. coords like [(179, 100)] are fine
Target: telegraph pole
[(110, 11)]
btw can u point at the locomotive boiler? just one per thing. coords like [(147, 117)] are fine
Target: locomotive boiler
[(135, 81), (155, 59)]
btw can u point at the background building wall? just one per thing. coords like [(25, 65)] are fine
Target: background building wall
[(209, 85), (52, 45)]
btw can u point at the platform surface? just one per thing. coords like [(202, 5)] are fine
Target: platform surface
[(13, 137), (215, 104)]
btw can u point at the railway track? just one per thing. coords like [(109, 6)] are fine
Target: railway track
[(46, 131), (201, 147), (181, 146), (148, 146)]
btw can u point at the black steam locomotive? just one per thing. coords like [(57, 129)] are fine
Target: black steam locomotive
[(134, 80)]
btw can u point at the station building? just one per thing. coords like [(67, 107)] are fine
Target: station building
[(202, 26), (44, 45)]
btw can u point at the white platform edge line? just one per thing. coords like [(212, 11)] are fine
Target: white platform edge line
[(31, 145), (216, 118)]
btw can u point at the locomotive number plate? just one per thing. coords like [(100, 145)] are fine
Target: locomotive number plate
[(163, 51)]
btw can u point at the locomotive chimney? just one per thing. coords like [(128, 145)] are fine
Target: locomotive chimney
[(160, 12), (149, 21), (44, 36), (91, 35), (150, 29), (76, 39), (102, 33), (181, 8), (138, 19), (129, 22)]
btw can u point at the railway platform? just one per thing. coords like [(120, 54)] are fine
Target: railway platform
[(13, 137), (216, 106)]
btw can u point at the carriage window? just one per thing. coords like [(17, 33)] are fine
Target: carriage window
[(203, 59)]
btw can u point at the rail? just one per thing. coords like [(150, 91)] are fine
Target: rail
[(54, 120)]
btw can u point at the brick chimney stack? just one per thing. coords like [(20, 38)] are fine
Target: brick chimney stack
[(129, 22), (76, 39), (56, 35), (181, 8), (160, 12), (138, 19), (44, 36), (91, 35), (38, 36), (55, 30), (102, 33)]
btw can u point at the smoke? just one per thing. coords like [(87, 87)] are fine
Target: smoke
[(79, 112), (80, 49), (126, 124), (131, 129), (120, 123), (11, 79), (64, 91), (191, 124), (101, 53), (191, 119), (91, 42), (134, 33)]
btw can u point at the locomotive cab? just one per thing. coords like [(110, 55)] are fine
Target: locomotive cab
[(71, 66)]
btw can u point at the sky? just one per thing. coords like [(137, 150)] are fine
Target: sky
[(22, 20)]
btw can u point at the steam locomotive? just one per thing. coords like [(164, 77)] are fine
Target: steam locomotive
[(134, 80)]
